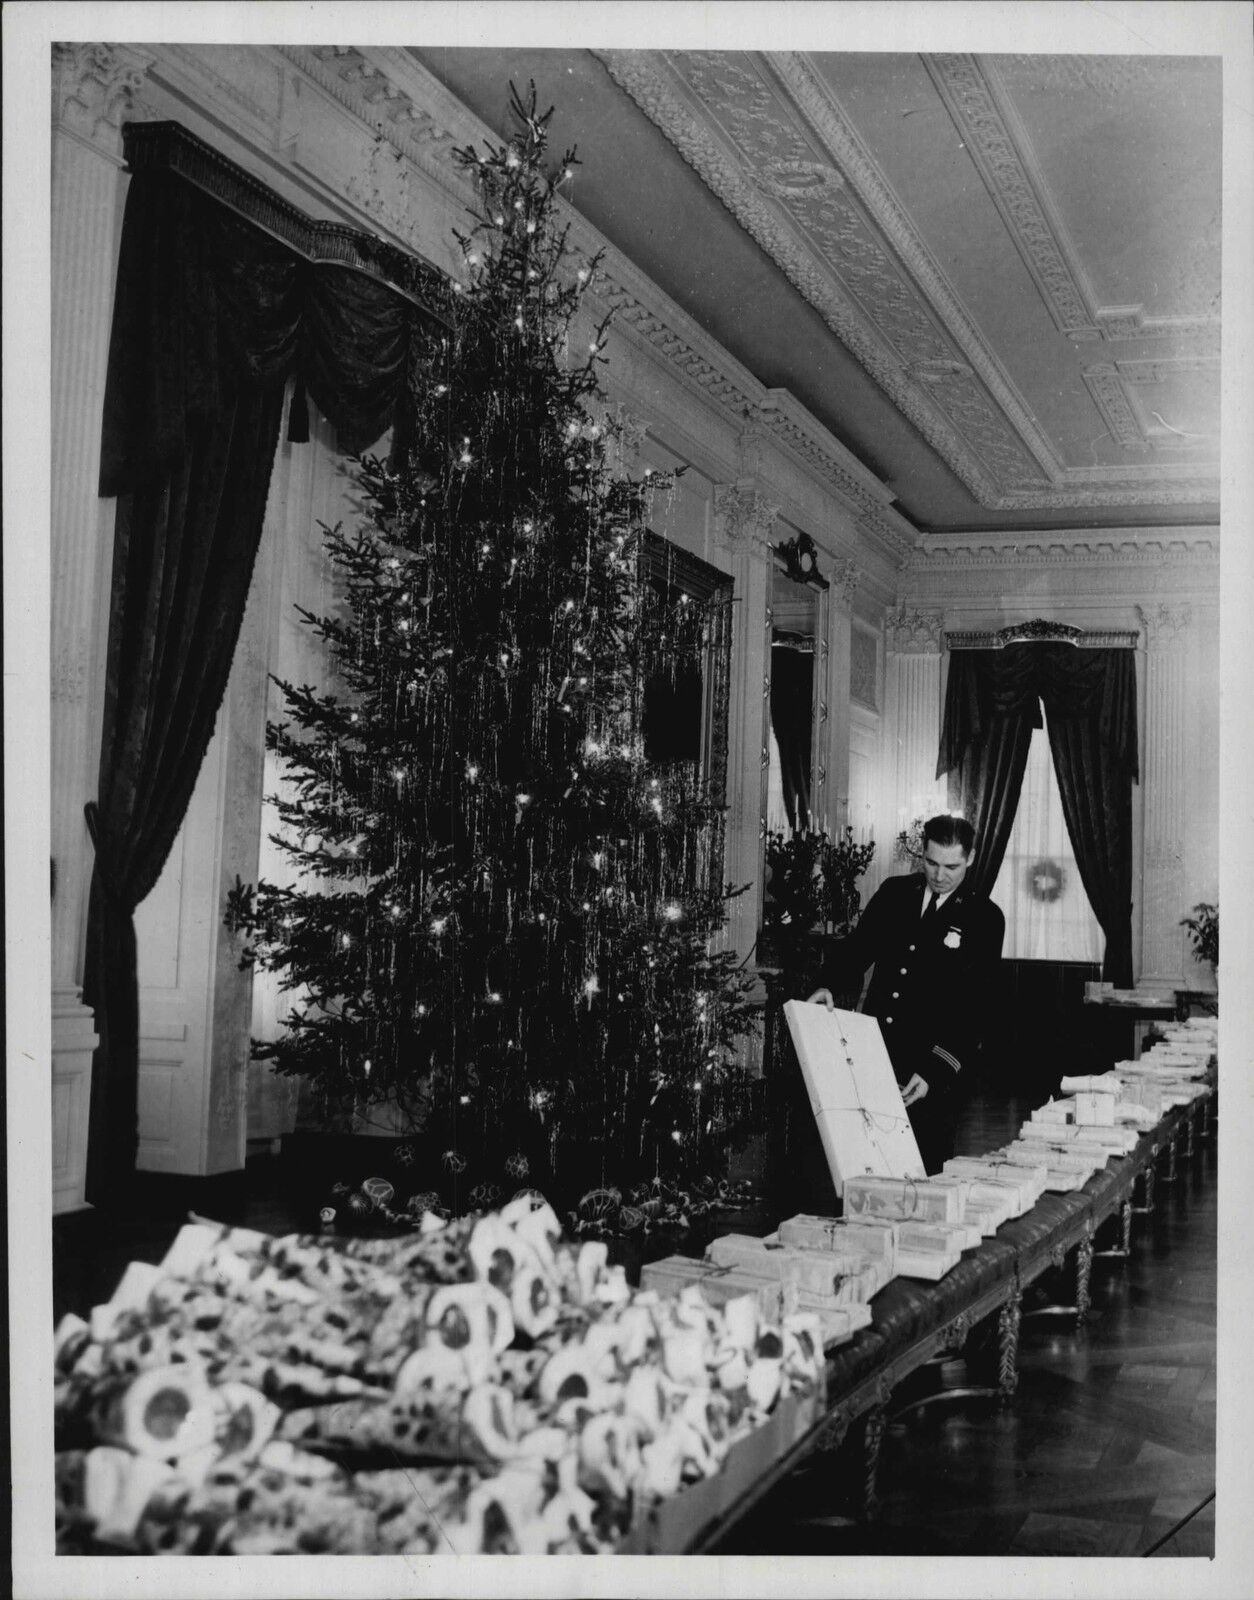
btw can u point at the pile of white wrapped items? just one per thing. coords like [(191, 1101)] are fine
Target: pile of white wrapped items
[(481, 1386), (891, 1228), (1103, 1115)]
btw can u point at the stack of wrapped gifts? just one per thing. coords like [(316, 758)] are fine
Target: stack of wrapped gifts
[(779, 1282), (1175, 1069)]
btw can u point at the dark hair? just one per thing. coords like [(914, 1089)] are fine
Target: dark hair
[(946, 830)]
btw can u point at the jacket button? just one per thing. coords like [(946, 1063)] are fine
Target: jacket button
[(903, 972), (912, 947), (896, 994), (888, 1020)]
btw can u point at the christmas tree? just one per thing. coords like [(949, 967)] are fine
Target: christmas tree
[(503, 918)]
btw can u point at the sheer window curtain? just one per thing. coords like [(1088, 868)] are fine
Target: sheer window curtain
[(310, 487), (1048, 915)]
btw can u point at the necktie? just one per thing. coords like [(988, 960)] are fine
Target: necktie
[(929, 914)]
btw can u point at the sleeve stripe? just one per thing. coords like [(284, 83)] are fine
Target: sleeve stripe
[(945, 1056)]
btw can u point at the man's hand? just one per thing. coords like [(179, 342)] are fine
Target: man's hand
[(822, 997), (916, 1089)]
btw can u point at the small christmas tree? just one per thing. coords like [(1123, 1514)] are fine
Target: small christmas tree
[(504, 914)]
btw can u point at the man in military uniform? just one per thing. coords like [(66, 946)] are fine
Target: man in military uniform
[(936, 948)]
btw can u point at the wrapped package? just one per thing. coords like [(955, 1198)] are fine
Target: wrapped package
[(773, 1299), (1051, 1132), (1026, 1183), (1113, 1138), (1063, 1158), (1096, 1083), (853, 1093), (1058, 1180), (901, 1199), (842, 1278), (871, 1239)]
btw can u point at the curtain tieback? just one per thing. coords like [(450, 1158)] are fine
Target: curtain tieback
[(108, 879)]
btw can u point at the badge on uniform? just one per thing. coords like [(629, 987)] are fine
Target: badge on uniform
[(953, 938)]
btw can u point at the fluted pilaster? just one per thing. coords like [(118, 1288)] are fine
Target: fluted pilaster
[(743, 524), (912, 716), (93, 87), (1165, 778)]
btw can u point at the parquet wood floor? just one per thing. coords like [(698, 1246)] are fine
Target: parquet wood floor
[(1109, 1447)]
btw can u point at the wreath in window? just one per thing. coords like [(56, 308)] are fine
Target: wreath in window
[(1045, 881)]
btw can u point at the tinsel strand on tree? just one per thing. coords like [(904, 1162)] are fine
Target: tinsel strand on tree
[(503, 916)]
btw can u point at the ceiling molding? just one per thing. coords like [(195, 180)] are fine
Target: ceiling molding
[(1152, 547), (983, 119), (749, 126), (859, 320)]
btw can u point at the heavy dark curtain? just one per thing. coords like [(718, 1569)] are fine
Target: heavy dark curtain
[(792, 696), (992, 703), (212, 317)]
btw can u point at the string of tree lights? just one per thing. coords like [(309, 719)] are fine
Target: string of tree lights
[(503, 918)]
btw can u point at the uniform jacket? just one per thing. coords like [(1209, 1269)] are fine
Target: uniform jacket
[(934, 981)]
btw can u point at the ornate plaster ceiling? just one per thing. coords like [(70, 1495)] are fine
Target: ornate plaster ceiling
[(996, 279)]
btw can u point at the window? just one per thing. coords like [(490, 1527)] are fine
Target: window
[(1048, 916)]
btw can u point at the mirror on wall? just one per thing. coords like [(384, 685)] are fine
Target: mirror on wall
[(687, 684), (794, 636)]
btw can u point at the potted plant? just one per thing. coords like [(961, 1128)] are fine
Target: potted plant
[(1203, 928)]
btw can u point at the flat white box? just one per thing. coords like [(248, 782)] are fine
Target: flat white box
[(1057, 1158), (855, 1098), (842, 1279), (1051, 1132), (807, 1232), (901, 1199), (1027, 1184)]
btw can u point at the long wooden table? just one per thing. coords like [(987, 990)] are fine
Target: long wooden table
[(912, 1323)]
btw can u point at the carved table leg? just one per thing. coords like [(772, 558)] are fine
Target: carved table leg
[(1146, 1207), (1083, 1272), (1008, 1321), (1170, 1175), (1124, 1247), (1189, 1146), (876, 1422), (1206, 1130)]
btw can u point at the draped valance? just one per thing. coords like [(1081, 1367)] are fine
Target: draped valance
[(222, 283), (1093, 685)]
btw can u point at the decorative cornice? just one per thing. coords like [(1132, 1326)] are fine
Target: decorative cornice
[(910, 631), (94, 88), (742, 515), (1174, 548), (1040, 631), (1165, 624)]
